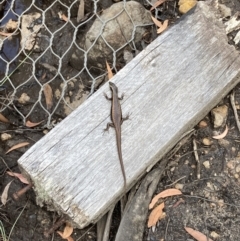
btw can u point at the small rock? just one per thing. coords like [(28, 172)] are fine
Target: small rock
[(237, 38), (224, 10), (202, 124), (45, 132), (207, 141), (71, 83), (57, 94), (11, 25), (214, 235), (206, 164), (5, 136), (224, 143), (115, 26), (127, 56), (210, 186), (31, 25), (231, 164), (24, 98), (236, 176), (238, 168), (186, 162), (179, 186), (219, 115), (233, 23)]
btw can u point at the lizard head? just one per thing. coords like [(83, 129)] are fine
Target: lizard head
[(113, 87)]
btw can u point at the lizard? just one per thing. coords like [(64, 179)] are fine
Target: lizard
[(117, 120)]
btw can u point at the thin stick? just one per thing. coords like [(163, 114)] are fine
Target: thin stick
[(196, 157), (108, 225), (232, 100)]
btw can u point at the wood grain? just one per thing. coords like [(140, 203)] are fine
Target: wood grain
[(168, 88)]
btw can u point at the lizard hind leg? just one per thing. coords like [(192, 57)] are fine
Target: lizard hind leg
[(108, 126)]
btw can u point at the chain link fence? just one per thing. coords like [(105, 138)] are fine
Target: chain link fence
[(53, 54)]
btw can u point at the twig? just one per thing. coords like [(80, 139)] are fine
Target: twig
[(85, 232), (55, 226), (209, 200), (196, 157), (175, 181), (108, 225), (17, 220), (167, 229), (232, 100), (22, 191)]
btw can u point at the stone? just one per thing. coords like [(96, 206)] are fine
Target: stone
[(5, 136), (207, 141), (206, 164), (219, 115), (110, 32)]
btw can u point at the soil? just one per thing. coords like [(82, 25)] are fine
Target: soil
[(201, 205)]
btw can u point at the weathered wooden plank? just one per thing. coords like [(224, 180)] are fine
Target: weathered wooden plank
[(168, 88)]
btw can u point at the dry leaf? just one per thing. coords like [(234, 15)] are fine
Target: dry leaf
[(3, 119), (4, 195), (186, 5), (32, 124), (67, 231), (221, 136), (47, 90), (110, 73), (17, 146), (197, 235), (80, 14), (163, 194), (155, 215), (158, 23), (19, 176), (163, 27), (156, 4), (6, 34), (62, 16), (68, 238)]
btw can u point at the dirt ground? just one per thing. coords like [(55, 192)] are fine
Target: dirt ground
[(209, 203)]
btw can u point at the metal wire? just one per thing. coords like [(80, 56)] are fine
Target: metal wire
[(30, 73)]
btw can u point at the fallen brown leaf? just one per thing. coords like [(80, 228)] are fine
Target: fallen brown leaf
[(47, 90), (5, 34), (80, 14), (19, 176), (110, 73), (221, 136), (68, 238), (62, 16), (197, 235), (19, 145), (3, 118), (66, 232), (158, 23), (4, 195), (163, 27), (33, 124), (186, 5), (155, 215), (163, 194), (156, 4)]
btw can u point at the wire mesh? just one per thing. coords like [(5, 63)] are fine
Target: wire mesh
[(52, 54)]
